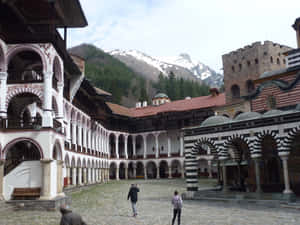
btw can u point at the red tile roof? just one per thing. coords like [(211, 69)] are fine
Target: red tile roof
[(175, 106)]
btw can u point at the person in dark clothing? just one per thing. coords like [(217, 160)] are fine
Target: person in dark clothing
[(177, 205), (133, 195), (70, 218)]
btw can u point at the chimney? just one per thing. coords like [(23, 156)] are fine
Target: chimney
[(138, 105), (144, 103)]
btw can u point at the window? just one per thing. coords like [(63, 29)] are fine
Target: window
[(249, 86), (271, 102), (271, 59), (240, 67), (248, 63), (235, 91), (278, 61), (256, 61), (233, 70)]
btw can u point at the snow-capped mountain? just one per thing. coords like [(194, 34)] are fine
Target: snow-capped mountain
[(182, 66)]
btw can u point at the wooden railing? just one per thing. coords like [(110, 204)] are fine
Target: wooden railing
[(24, 76), (33, 123)]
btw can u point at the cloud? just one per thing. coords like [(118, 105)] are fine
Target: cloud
[(204, 29)]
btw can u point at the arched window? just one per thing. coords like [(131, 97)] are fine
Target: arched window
[(256, 61), (233, 70), (249, 86), (278, 61), (271, 59), (240, 66), (235, 91)]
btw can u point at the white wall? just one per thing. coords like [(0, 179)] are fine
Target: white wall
[(27, 174)]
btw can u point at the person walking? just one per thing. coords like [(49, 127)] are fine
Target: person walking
[(70, 218), (177, 205), (133, 195)]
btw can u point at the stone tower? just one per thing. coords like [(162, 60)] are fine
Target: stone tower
[(296, 26), (246, 64)]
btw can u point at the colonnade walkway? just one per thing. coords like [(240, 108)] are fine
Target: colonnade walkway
[(106, 204)]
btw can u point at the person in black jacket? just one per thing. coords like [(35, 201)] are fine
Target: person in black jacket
[(70, 218), (133, 195)]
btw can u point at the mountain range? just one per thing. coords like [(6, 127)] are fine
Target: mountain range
[(183, 66)]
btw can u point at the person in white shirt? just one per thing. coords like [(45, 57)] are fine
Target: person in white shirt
[(177, 205)]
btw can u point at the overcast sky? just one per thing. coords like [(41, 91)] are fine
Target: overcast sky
[(204, 29)]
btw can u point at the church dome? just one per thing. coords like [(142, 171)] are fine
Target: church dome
[(215, 120), (161, 95), (248, 116)]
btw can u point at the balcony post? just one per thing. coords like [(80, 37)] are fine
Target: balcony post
[(47, 104), (3, 91)]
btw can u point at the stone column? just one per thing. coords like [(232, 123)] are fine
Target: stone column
[(3, 93), (157, 173), (134, 170), (68, 175), (46, 176), (134, 146), (60, 184), (284, 159), (117, 173), (74, 176), (84, 142), (80, 176), (209, 169), (169, 146), (2, 162), (170, 172), (126, 172), (145, 146), (257, 175), (84, 176), (89, 175), (225, 187), (126, 147), (107, 175), (74, 137), (79, 141), (145, 173), (47, 104), (60, 103), (181, 145), (117, 146), (156, 146)]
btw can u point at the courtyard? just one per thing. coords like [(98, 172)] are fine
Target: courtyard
[(106, 204)]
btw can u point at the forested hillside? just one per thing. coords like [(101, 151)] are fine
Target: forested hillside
[(128, 87)]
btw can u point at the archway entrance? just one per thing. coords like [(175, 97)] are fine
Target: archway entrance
[(163, 169), (176, 168), (22, 168), (151, 170), (271, 166), (122, 171), (293, 165), (139, 170), (112, 171)]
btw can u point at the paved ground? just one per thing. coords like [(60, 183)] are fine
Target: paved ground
[(107, 205)]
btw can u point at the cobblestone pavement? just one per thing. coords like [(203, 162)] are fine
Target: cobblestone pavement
[(107, 205)]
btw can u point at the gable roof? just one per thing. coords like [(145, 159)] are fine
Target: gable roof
[(175, 106)]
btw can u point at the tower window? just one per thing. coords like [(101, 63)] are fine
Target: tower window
[(256, 61), (233, 70), (249, 86), (271, 59), (240, 67), (248, 63), (235, 91), (278, 61)]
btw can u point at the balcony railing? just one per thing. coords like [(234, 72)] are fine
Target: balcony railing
[(34, 123), (24, 76)]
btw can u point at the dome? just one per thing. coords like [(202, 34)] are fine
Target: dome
[(161, 95), (215, 120), (247, 116), (273, 112)]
